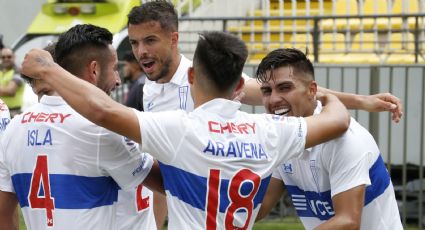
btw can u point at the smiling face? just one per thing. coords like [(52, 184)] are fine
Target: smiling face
[(288, 94), (155, 49)]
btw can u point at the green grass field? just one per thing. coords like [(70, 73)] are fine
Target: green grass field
[(288, 223)]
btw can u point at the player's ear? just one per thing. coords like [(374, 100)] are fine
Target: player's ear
[(312, 87), (175, 38), (92, 72), (190, 75)]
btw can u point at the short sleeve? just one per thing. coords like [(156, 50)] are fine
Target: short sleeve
[(5, 179), (347, 161), (288, 135), (276, 174), (121, 158), (162, 133)]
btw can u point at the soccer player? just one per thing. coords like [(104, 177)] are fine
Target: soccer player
[(340, 184), (64, 170), (216, 161)]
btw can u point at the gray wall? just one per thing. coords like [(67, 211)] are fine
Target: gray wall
[(16, 16)]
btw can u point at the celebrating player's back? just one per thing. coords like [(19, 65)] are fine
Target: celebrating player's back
[(63, 167)]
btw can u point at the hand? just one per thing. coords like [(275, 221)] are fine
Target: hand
[(35, 62), (384, 102)]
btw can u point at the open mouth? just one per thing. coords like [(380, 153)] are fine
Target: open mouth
[(282, 111), (147, 66)]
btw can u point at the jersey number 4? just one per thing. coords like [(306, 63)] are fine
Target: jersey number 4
[(39, 195), (237, 200)]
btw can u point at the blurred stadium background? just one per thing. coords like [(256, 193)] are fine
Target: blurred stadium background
[(358, 46)]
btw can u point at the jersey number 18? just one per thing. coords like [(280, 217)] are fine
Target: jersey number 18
[(237, 200)]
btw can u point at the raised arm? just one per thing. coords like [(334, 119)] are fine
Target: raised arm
[(329, 124), (371, 103), (82, 96), (251, 93)]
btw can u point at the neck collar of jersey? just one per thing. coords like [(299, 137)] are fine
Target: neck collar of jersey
[(224, 107), (179, 76), (52, 100)]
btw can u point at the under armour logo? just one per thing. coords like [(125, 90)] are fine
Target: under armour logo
[(287, 168)]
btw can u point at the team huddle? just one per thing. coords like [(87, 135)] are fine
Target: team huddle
[(80, 160)]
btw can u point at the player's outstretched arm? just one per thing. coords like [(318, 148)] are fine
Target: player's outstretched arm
[(273, 194), (371, 103), (348, 208), (8, 204), (332, 122), (251, 93), (85, 98)]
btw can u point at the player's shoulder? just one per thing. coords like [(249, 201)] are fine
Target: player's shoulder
[(356, 140)]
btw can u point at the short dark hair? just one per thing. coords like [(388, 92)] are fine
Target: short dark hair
[(49, 48), (159, 10), (129, 57), (282, 58), (220, 57), (82, 44)]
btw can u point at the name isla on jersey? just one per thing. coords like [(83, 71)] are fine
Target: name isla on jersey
[(42, 137)]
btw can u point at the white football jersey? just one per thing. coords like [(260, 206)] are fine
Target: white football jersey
[(217, 161), (135, 209), (172, 95), (4, 117), (337, 166), (65, 170)]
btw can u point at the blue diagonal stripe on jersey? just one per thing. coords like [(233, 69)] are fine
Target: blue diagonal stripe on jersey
[(380, 179), (70, 191), (192, 189), (311, 204), (314, 204)]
